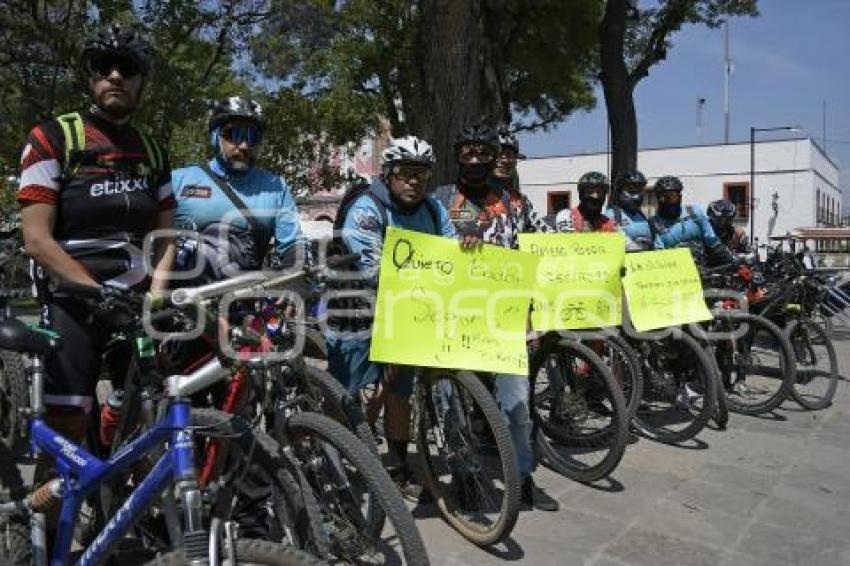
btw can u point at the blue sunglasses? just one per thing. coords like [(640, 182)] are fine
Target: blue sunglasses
[(238, 134)]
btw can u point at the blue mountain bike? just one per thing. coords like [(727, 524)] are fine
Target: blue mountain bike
[(173, 478)]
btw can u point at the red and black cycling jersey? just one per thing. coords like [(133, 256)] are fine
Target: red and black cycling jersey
[(106, 200)]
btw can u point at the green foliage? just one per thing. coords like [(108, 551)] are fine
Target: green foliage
[(648, 37), (359, 60)]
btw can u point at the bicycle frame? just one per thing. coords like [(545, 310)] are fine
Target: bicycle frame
[(81, 473)]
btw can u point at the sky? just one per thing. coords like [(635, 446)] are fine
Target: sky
[(787, 62)]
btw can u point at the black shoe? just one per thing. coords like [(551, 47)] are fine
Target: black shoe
[(534, 497)]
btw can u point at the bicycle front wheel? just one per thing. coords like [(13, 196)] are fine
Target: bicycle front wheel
[(465, 453), (347, 479), (817, 364), (579, 409), (756, 362), (680, 388)]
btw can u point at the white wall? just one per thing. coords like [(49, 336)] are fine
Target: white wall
[(782, 167)]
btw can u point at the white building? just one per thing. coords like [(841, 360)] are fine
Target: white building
[(796, 183)]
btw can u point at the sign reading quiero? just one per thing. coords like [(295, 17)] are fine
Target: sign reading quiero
[(441, 306)]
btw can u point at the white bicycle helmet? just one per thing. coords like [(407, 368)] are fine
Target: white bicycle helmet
[(409, 149)]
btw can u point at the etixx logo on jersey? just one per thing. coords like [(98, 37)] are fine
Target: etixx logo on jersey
[(119, 186)]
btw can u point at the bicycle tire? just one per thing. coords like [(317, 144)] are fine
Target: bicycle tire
[(786, 372), (251, 551), (13, 396), (484, 405), (15, 541), (301, 425), (560, 439), (618, 350), (802, 330), (336, 403), (690, 355), (298, 510)]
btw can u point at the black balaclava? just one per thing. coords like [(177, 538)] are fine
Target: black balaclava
[(630, 200)]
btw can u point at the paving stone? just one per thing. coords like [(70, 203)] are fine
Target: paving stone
[(704, 526), (791, 546), (642, 547), (730, 499)]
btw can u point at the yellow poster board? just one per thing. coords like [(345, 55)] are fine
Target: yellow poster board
[(441, 306), (578, 279), (663, 289)]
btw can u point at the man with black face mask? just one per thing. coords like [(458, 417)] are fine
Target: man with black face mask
[(593, 188), (483, 212), (721, 214), (504, 178), (678, 225), (627, 214)]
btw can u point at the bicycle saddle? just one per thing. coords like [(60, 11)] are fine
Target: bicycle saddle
[(18, 337)]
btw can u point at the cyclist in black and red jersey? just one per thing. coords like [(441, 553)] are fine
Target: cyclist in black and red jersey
[(92, 188)]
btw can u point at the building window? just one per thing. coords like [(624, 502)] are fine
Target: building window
[(558, 201), (739, 194), (818, 213)]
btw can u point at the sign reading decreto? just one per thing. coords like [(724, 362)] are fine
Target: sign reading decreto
[(663, 289), (441, 306), (578, 279)]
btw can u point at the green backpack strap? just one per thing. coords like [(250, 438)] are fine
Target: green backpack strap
[(75, 140), (154, 153)]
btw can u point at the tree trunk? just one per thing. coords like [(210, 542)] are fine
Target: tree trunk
[(452, 86), (618, 88)]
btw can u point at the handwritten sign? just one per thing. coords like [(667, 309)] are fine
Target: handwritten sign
[(578, 279), (441, 306), (663, 289)]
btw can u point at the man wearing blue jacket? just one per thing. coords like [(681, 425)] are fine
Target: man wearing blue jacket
[(398, 197), (236, 207), (685, 226), (626, 212)]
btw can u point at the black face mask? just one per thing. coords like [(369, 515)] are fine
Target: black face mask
[(670, 211), (630, 201), (474, 174), (592, 207)]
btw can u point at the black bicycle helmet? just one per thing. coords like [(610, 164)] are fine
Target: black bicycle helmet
[(115, 40), (630, 180), (227, 109), (478, 133), (592, 180), (668, 184), (722, 209), (508, 139)]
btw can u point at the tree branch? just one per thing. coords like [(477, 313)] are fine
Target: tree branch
[(670, 19)]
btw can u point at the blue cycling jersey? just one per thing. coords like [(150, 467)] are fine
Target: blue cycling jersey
[(203, 206), (637, 229), (692, 226), (363, 233)]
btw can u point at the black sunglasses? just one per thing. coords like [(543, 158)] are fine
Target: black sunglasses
[(102, 65)]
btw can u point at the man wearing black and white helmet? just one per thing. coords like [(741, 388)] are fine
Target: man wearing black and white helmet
[(397, 197), (505, 177), (237, 208)]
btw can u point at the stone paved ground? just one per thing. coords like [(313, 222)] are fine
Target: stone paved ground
[(768, 491)]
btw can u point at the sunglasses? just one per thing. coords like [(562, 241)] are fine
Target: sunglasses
[(238, 134), (483, 153), (102, 65), (408, 173)]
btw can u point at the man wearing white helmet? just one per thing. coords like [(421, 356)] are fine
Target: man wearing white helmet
[(398, 197)]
